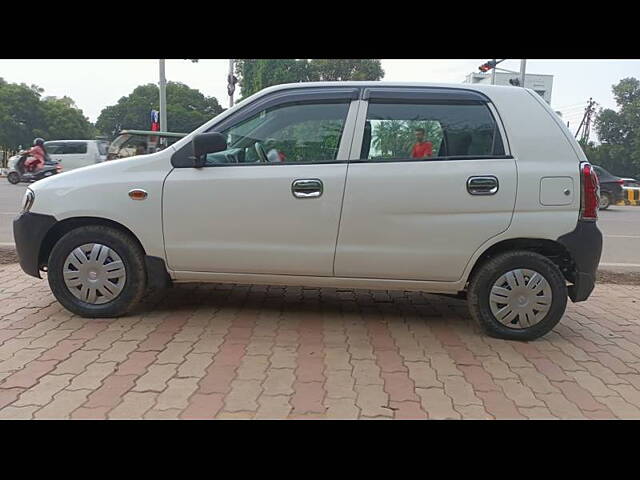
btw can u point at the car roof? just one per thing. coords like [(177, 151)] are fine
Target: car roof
[(153, 133), (370, 83), (481, 88), (72, 141)]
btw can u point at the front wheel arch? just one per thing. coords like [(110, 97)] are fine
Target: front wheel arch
[(64, 226)]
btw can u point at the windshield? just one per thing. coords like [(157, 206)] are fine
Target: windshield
[(103, 148)]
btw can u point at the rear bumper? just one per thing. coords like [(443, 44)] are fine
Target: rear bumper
[(584, 245), (29, 230)]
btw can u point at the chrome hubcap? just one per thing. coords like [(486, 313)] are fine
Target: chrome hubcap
[(520, 298), (94, 273), (604, 200)]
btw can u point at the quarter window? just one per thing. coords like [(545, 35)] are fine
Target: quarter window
[(295, 133), (396, 132)]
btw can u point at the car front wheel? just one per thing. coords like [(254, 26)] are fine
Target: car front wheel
[(97, 271), (518, 295), (605, 201)]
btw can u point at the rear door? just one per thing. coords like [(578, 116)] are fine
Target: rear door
[(411, 215)]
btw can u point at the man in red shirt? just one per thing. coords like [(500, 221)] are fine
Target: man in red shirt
[(421, 149)]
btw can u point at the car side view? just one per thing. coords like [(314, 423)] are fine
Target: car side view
[(74, 154), (611, 188), (454, 189)]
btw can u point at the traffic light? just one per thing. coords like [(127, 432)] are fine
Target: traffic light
[(485, 67)]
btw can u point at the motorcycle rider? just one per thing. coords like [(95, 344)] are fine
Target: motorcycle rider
[(37, 155)]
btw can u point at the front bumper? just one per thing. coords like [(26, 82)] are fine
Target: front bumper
[(584, 245), (29, 231)]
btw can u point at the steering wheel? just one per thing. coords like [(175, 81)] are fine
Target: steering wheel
[(262, 153)]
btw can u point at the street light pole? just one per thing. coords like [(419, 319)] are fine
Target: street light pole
[(163, 98), (523, 68)]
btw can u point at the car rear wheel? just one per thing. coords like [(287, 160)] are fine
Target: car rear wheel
[(13, 178), (518, 295), (605, 201), (97, 271)]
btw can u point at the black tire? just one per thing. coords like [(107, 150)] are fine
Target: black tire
[(483, 280), (605, 201), (14, 178), (124, 245)]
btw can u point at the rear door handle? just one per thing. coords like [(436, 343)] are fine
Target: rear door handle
[(483, 185), (307, 188)]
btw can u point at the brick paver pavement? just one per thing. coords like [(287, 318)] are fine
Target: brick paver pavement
[(219, 351)]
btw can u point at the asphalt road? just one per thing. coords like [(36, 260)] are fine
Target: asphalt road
[(619, 225), (10, 198)]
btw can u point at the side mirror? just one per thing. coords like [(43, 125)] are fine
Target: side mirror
[(205, 143)]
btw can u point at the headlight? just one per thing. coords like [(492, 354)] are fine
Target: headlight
[(27, 200)]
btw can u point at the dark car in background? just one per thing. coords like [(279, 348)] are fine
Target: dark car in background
[(611, 191)]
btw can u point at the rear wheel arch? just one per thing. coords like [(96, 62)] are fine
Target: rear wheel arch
[(553, 250)]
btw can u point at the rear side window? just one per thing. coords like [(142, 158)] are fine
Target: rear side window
[(54, 148), (103, 148), (75, 147), (63, 148), (421, 131)]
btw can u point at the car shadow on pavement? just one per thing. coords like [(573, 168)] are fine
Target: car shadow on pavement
[(299, 302)]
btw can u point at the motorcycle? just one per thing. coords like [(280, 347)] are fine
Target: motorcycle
[(18, 173)]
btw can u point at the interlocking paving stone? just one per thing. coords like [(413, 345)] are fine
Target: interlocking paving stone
[(271, 352)]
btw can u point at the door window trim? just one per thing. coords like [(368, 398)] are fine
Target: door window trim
[(180, 159), (401, 96)]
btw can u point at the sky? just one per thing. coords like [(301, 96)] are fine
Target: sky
[(95, 84)]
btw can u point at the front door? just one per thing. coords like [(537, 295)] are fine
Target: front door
[(430, 183), (270, 203)]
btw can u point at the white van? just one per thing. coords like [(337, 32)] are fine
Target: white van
[(74, 154), (458, 189)]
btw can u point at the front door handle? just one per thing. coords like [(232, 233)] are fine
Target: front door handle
[(307, 188), (484, 185)]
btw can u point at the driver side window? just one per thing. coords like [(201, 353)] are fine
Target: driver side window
[(294, 133)]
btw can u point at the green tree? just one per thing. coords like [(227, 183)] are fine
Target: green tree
[(21, 114), (63, 120), (346, 69), (255, 75), (187, 109), (24, 115), (619, 132)]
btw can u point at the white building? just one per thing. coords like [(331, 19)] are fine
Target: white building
[(542, 84)]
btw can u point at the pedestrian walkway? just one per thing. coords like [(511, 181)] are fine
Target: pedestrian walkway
[(252, 352)]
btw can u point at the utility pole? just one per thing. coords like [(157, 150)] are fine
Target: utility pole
[(523, 68), (163, 98), (586, 122), (493, 73)]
